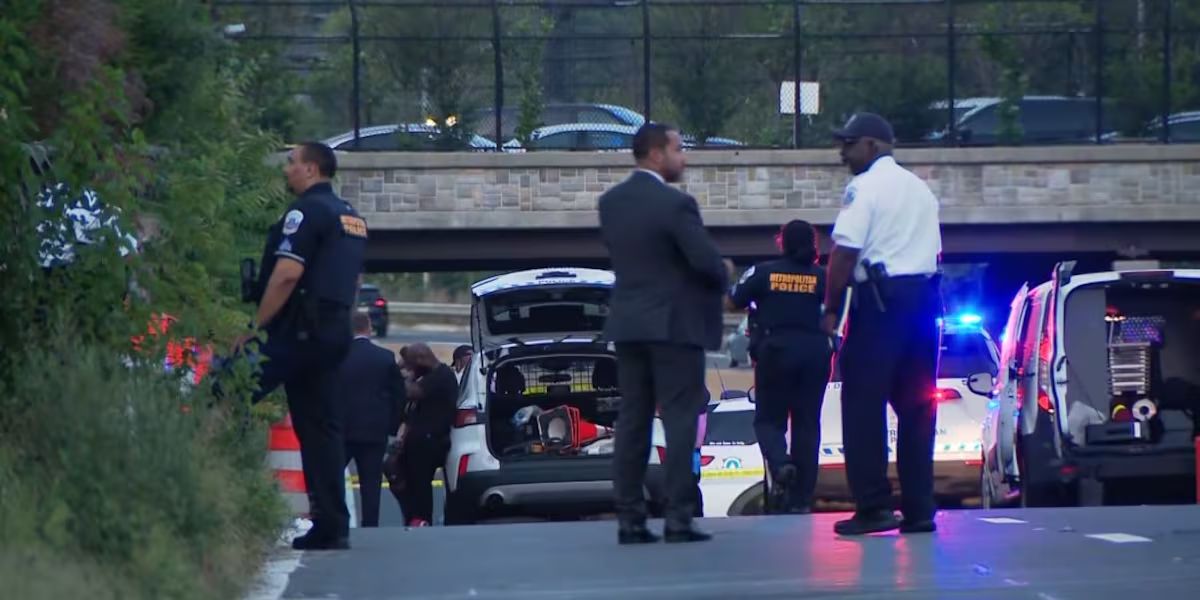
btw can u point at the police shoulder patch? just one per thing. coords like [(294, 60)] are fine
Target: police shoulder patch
[(848, 197), (292, 221)]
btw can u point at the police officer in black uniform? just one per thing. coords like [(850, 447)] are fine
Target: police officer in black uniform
[(306, 293), (792, 363)]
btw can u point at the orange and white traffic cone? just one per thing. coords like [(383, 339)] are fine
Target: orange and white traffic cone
[(284, 459)]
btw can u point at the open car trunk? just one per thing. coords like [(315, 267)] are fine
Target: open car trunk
[(551, 405), (1133, 354)]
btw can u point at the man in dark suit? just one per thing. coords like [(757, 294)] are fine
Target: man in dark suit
[(372, 397), (666, 310)]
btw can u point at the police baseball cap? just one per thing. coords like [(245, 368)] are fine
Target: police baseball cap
[(865, 124)]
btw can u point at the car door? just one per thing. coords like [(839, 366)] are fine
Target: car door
[(999, 429)]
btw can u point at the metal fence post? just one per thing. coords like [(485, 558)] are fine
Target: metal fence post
[(1165, 135), (1099, 30), (646, 59), (356, 74), (498, 82), (797, 122), (951, 74)]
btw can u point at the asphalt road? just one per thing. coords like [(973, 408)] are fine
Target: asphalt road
[(1111, 553)]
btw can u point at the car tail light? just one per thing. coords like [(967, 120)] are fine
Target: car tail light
[(662, 454), (380, 302), (946, 394), (706, 460), (1044, 401), (466, 416), (463, 462)]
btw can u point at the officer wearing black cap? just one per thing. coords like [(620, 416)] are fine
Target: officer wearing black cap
[(791, 369), (888, 245), (311, 265)]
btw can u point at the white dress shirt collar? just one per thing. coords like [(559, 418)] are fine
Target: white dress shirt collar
[(652, 173)]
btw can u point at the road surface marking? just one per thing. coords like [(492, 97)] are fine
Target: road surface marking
[(1119, 538), (1001, 520)]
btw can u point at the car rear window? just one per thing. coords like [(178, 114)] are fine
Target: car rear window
[(963, 355), (730, 428), (367, 296), (547, 309)]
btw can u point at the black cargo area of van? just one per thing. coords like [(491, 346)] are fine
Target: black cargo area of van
[(552, 406), (1133, 363)]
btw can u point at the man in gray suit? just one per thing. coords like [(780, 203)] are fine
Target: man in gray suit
[(666, 310)]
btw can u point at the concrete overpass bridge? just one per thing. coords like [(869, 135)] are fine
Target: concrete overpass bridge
[(1032, 205)]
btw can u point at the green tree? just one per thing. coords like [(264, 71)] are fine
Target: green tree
[(526, 59)]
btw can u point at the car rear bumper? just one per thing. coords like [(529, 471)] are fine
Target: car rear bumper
[(570, 486), (1124, 463), (951, 478)]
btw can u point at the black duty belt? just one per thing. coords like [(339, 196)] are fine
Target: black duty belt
[(768, 331)]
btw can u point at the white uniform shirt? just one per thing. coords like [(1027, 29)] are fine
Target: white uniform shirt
[(891, 216)]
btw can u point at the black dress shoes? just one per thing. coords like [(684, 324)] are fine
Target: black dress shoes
[(682, 536), (637, 534), (321, 542), (863, 523), (918, 526)]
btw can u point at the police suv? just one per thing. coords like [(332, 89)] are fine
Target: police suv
[(733, 479), (968, 357), (537, 406)]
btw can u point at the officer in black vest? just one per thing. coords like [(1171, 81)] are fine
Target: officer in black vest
[(792, 357), (306, 293)]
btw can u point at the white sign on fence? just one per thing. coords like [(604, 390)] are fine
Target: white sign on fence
[(810, 97)]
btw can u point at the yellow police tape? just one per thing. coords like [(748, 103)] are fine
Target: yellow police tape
[(731, 473), (354, 482)]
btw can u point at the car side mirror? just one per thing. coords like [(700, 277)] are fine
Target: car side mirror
[(249, 280), (732, 394), (981, 383), (750, 395)]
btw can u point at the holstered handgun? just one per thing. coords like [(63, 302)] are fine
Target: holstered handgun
[(877, 277)]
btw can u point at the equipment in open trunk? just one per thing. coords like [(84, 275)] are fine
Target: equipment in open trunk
[(552, 405), (1133, 352)]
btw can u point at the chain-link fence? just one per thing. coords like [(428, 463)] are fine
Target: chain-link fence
[(524, 75)]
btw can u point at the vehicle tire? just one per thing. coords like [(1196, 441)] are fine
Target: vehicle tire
[(750, 502), (986, 488), (1037, 492), (455, 513)]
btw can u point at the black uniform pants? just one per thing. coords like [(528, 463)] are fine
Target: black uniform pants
[(306, 369), (790, 377), (892, 357), (368, 460), (671, 377), (420, 460)]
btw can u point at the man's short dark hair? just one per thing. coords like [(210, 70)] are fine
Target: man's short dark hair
[(362, 323), (460, 352), (322, 156), (649, 137)]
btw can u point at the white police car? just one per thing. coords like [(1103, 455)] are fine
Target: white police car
[(967, 351), (538, 403), (732, 475)]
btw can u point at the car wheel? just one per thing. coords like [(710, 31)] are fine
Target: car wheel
[(985, 488), (456, 514)]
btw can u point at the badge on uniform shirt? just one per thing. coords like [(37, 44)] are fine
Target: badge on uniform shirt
[(848, 197), (292, 221)]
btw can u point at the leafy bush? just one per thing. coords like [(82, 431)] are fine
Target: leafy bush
[(113, 479), (118, 472)]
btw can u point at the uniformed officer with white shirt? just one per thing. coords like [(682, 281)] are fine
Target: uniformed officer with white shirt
[(887, 246)]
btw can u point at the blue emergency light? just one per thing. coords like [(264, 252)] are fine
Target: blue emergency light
[(969, 319)]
